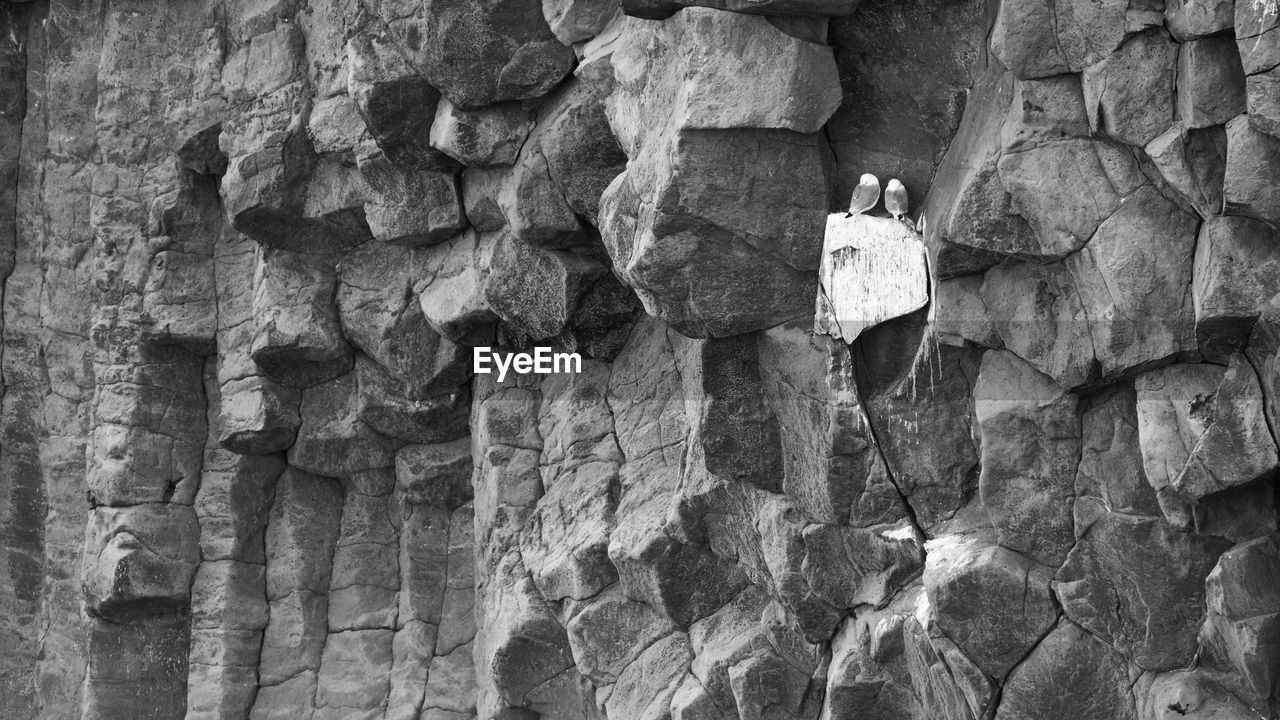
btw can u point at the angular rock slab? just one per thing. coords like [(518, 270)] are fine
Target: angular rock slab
[(1253, 161), (1030, 446), (1070, 675), (1174, 406), (873, 270), (1237, 270), (1049, 37), (1139, 586), (479, 53), (1242, 630)]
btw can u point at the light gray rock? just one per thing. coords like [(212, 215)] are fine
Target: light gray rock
[(1094, 688), (1237, 270), (1130, 93), (1251, 156), (1210, 82)]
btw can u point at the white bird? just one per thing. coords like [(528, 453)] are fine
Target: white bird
[(895, 199), (866, 195)]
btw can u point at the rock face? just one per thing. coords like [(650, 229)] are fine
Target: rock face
[(481, 360)]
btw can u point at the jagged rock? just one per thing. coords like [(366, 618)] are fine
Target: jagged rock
[(1066, 187), (1016, 609), (297, 341), (1096, 686), (413, 208), (1251, 156), (1139, 586), (610, 632), (1191, 19), (1263, 351), (947, 684), (1237, 447), (1174, 410), (1136, 319), (335, 125), (1129, 94), (1041, 318), (1187, 694), (379, 315), (1111, 476), (438, 475), (603, 319), (660, 9), (535, 290), (1049, 37), (333, 440), (1237, 270), (644, 689), (481, 138), (1210, 82), (453, 298), (1030, 445), (667, 253), (1256, 25), (259, 415), (1261, 93), (1242, 629), (479, 54), (573, 21), (397, 104), (868, 674), (897, 118), (970, 214), (139, 560), (1193, 163)]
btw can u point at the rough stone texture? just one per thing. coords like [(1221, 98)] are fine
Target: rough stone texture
[(247, 472)]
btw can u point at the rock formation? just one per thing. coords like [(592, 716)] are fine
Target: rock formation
[(248, 469)]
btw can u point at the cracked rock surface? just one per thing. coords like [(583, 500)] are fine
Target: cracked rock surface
[(249, 471)]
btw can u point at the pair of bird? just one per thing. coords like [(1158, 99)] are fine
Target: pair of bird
[(867, 194)]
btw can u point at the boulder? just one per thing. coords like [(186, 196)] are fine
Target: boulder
[(1191, 19), (297, 339), (1174, 410), (483, 137), (139, 560), (1050, 37), (1130, 93), (1241, 632)]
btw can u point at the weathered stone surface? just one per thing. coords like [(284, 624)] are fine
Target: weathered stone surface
[(1251, 156), (573, 21), (1237, 270), (333, 440), (1048, 37), (1111, 476), (1261, 101), (1030, 446), (1190, 19), (1256, 25), (1129, 94), (1094, 687), (139, 560), (868, 673), (660, 9), (1016, 609), (1237, 447), (452, 296), (873, 270), (1210, 82), (1139, 586), (483, 137), (666, 253), (1192, 162), (1174, 409), (297, 340), (479, 54), (410, 207), (259, 415), (535, 290), (1242, 628), (1187, 694)]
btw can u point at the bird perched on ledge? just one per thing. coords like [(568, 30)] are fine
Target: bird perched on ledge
[(865, 196), (895, 199)]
